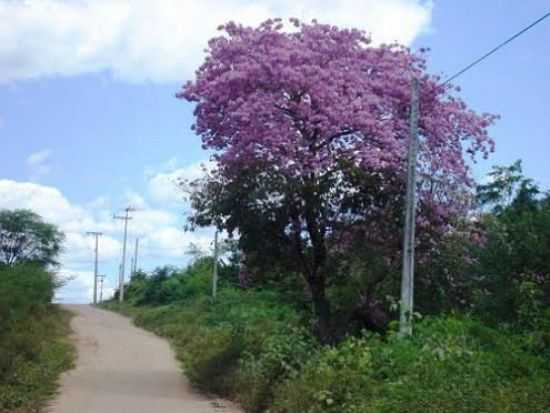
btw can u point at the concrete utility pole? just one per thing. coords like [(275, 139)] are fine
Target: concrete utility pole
[(407, 278), (136, 257), (125, 218), (101, 279), (215, 269), (97, 235), (119, 276)]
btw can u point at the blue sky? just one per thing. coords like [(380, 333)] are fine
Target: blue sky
[(89, 122)]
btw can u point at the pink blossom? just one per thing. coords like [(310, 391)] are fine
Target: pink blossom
[(307, 99)]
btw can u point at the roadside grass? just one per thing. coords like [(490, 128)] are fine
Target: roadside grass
[(238, 346), (251, 347), (33, 353)]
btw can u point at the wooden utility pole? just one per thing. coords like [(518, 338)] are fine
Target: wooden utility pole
[(97, 235), (215, 269), (407, 278), (125, 218)]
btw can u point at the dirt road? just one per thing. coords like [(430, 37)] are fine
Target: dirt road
[(123, 369)]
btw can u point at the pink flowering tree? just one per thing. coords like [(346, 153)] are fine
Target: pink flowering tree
[(309, 128)]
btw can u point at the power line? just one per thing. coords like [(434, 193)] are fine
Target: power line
[(494, 50)]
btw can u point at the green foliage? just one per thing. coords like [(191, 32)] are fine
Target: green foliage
[(483, 344), (169, 284), (25, 237), (25, 292), (279, 357), (495, 264), (239, 345), (33, 345), (499, 191), (451, 365), (514, 255), (253, 347)]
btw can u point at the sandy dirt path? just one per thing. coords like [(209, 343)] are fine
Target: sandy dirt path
[(123, 369)]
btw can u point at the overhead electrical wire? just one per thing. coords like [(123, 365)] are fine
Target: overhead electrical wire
[(495, 49)]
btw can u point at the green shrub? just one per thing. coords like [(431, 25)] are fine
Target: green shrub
[(31, 376), (211, 358), (255, 347), (25, 293), (33, 345), (280, 356), (450, 365), (240, 344)]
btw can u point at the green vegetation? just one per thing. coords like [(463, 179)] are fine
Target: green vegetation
[(25, 237), (239, 345), (314, 194), (450, 365), (482, 330), (256, 348), (34, 348)]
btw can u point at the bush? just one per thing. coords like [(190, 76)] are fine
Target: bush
[(257, 347), (279, 357), (33, 345), (239, 345), (25, 293), (451, 365)]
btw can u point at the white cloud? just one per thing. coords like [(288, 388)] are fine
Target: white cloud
[(98, 203), (39, 157), (163, 239), (79, 248), (148, 221), (174, 241), (162, 186), (38, 164), (135, 200), (79, 287), (163, 41), (44, 200)]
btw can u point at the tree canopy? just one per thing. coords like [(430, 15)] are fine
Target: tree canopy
[(26, 238), (310, 130)]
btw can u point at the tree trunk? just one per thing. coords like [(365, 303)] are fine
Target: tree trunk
[(314, 271), (321, 307)]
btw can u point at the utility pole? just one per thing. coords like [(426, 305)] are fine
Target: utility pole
[(97, 235), (101, 279), (131, 267), (126, 217), (407, 278), (215, 269), (136, 256), (119, 276)]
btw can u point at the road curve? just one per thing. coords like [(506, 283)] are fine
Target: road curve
[(123, 369)]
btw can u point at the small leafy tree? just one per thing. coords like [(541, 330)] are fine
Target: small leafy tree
[(25, 237), (514, 257), (504, 183), (310, 129)]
